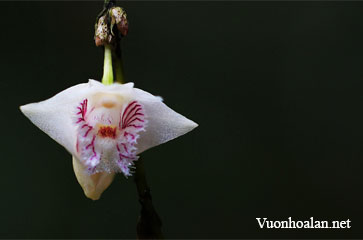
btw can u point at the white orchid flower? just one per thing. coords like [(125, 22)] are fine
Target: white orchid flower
[(105, 127)]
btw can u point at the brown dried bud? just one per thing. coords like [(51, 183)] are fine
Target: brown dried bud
[(98, 41), (119, 18), (102, 33), (123, 27)]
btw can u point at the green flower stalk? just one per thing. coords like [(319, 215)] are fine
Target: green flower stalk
[(107, 78)]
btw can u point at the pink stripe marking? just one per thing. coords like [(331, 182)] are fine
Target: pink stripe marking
[(82, 111), (93, 148), (138, 108), (124, 145), (89, 129), (135, 126), (127, 114), (126, 134), (124, 156), (135, 119), (127, 108), (92, 143), (84, 108), (92, 170), (134, 115)]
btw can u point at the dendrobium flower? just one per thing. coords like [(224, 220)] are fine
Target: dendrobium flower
[(105, 127)]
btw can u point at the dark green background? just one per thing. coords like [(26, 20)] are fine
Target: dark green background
[(276, 88)]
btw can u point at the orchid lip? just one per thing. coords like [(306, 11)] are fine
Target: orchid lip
[(120, 126)]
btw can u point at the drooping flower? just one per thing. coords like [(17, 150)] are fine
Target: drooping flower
[(105, 127)]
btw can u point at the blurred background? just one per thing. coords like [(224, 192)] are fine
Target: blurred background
[(276, 88)]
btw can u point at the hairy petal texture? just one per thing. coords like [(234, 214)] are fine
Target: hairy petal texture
[(107, 135)]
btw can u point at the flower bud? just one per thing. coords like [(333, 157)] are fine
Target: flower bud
[(119, 17), (102, 33)]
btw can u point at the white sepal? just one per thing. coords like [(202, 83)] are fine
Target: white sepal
[(164, 124), (55, 116)]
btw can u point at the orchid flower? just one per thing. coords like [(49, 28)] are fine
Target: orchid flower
[(105, 127)]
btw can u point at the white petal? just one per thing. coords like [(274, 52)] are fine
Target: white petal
[(55, 115), (164, 124), (93, 185)]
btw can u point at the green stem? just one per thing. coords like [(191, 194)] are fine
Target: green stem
[(117, 61), (119, 74), (107, 78), (108, 2)]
